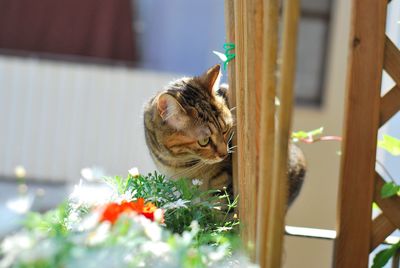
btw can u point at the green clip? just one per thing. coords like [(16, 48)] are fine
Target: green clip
[(226, 56), (228, 47)]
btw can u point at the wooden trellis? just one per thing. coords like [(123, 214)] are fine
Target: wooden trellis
[(371, 52), (261, 163), (261, 159)]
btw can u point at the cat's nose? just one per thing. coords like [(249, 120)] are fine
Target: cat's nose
[(222, 155), (221, 150)]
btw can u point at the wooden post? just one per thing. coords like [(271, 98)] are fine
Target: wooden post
[(245, 114), (360, 133), (267, 135), (230, 38), (261, 181), (253, 50), (271, 223), (248, 26)]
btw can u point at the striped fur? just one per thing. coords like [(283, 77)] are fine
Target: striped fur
[(178, 121)]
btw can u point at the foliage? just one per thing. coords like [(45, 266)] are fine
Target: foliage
[(304, 135), (78, 234), (390, 144), (384, 256), (183, 202), (390, 189)]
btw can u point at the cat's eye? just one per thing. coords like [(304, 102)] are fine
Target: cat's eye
[(204, 142)]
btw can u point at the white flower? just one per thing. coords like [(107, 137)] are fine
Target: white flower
[(197, 182), (20, 172), (77, 223), (72, 220), (218, 254), (92, 173), (87, 173), (153, 231), (223, 229), (17, 242), (99, 234), (158, 215), (90, 194), (21, 204), (134, 172), (177, 204), (158, 248), (177, 194), (12, 247), (195, 227), (127, 196)]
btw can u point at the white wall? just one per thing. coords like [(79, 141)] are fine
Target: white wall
[(56, 118)]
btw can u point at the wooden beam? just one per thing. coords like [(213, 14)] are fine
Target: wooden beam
[(230, 38), (280, 189), (390, 105), (389, 206), (277, 198), (252, 89), (266, 253), (392, 60), (246, 189), (360, 135), (381, 228)]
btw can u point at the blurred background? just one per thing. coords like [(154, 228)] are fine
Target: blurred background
[(75, 75)]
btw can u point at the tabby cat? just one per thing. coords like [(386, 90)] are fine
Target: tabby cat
[(188, 129)]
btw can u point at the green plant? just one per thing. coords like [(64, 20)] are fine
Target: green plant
[(382, 257), (389, 189), (114, 231), (390, 144), (183, 201)]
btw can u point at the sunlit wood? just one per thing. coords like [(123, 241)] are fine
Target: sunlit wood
[(356, 187), (381, 228)]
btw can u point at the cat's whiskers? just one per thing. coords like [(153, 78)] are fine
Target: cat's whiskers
[(231, 137), (190, 170), (230, 149), (194, 170)]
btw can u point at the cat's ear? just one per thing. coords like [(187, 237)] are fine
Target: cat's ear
[(172, 112), (211, 79)]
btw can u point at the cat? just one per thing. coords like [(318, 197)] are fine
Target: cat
[(189, 128)]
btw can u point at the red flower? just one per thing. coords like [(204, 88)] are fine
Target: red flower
[(113, 210)]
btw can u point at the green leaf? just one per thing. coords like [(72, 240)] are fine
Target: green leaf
[(384, 256), (390, 144), (304, 135), (389, 189), (375, 206)]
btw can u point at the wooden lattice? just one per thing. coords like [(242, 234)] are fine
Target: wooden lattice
[(371, 52)]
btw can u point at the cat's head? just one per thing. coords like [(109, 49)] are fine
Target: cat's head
[(196, 116)]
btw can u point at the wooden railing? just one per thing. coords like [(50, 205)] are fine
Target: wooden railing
[(261, 160), (371, 52), (260, 166)]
